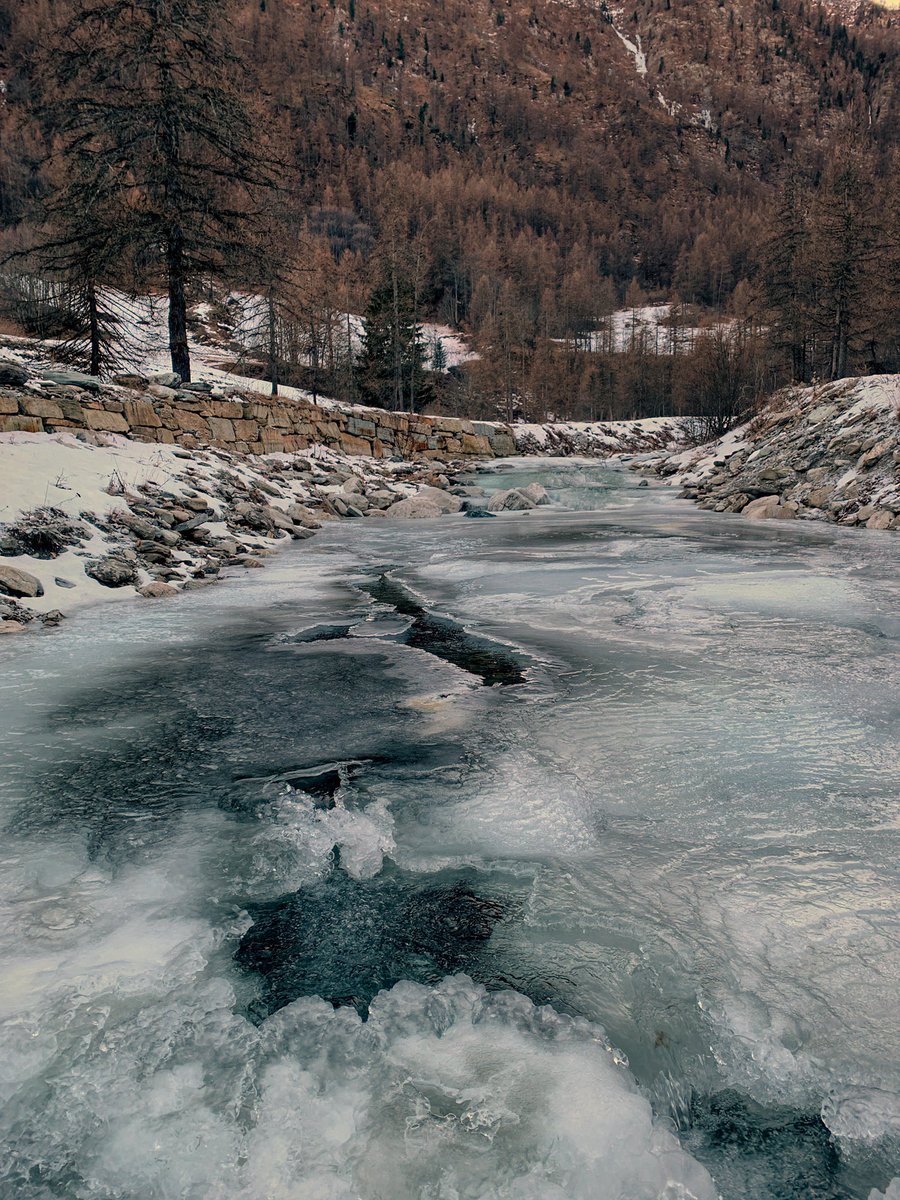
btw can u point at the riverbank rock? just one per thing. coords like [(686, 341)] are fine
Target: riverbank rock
[(157, 590), (770, 508), (827, 453), (414, 508), (112, 572), (15, 582)]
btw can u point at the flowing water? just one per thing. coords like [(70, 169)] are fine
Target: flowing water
[(550, 857)]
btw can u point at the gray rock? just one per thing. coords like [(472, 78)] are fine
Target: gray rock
[(112, 572), (479, 512), (169, 379), (12, 375), (63, 583), (414, 508), (511, 500), (191, 524), (446, 502), (538, 493), (15, 582), (90, 383)]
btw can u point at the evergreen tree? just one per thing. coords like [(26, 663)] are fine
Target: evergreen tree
[(145, 106), (438, 355), (392, 363), (787, 278)]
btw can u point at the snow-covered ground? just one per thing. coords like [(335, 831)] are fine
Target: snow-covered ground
[(104, 478), (650, 328), (143, 323)]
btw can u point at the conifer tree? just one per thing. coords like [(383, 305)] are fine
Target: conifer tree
[(392, 363), (144, 105)]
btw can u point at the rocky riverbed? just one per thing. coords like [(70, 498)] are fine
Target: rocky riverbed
[(823, 453)]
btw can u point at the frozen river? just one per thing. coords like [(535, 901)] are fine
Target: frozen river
[(549, 857)]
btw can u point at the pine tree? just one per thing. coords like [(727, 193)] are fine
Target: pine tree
[(787, 278), (848, 245), (144, 102), (392, 363)]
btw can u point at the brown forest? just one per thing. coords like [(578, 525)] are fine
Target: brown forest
[(517, 171)]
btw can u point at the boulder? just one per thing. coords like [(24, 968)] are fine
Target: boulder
[(15, 582), (479, 512), (12, 375), (63, 583), (110, 571), (881, 519), (511, 500), (157, 590), (446, 502), (12, 627), (767, 508), (169, 379), (65, 378), (414, 508), (537, 493)]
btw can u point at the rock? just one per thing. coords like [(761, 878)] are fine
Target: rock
[(537, 493), (479, 512), (191, 523), (414, 508), (767, 508), (736, 502), (12, 375), (15, 582), (249, 561), (12, 627), (446, 502), (819, 497), (53, 617), (63, 583), (301, 515), (882, 519), (169, 379), (512, 500), (644, 483), (110, 571), (90, 383), (157, 590)]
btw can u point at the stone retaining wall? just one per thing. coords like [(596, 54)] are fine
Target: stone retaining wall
[(244, 422)]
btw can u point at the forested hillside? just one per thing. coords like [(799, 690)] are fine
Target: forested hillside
[(528, 169)]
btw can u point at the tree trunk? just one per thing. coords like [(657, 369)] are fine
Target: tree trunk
[(273, 349), (178, 343), (93, 328)]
